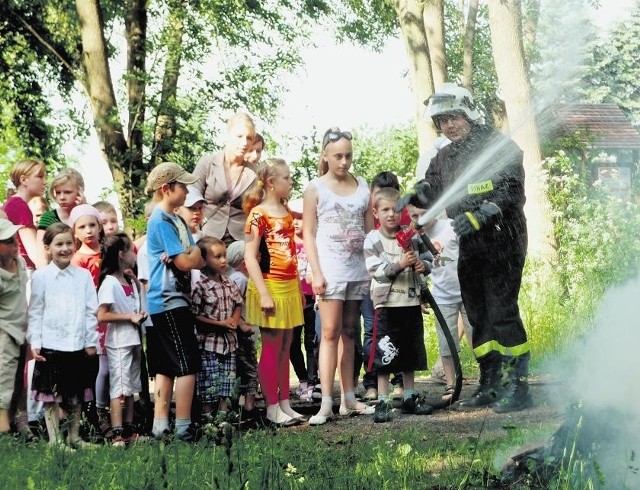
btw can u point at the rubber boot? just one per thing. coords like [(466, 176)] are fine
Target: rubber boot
[(515, 396), (489, 388)]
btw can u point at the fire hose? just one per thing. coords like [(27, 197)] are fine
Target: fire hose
[(410, 239)]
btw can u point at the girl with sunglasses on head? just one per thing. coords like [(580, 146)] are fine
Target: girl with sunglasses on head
[(336, 218)]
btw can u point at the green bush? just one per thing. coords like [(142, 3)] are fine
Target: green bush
[(597, 236)]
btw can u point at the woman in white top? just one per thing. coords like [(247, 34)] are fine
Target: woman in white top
[(336, 218)]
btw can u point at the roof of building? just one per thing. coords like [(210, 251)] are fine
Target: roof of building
[(598, 125)]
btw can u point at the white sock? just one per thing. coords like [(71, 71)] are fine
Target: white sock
[(326, 406), (159, 426)]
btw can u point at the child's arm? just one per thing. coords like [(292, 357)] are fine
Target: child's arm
[(31, 246), (231, 323), (105, 315), (377, 263), (309, 230), (251, 250), (191, 259), (35, 316), (90, 320)]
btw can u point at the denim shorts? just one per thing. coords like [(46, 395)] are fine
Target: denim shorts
[(346, 291)]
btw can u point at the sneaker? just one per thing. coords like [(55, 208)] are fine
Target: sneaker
[(416, 406), (383, 412), (300, 390), (118, 441), (307, 396), (397, 393), (165, 437), (26, 436), (192, 435), (371, 395), (316, 394)]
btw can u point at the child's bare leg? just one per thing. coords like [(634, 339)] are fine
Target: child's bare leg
[(52, 421), (383, 386), (74, 422), (184, 397), (350, 316), (249, 401), (331, 324), (116, 412), (163, 393), (408, 380), (128, 410), (450, 376), (5, 424)]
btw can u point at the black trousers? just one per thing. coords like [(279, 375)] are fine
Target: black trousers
[(490, 284)]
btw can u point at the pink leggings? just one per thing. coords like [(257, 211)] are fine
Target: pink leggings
[(273, 368)]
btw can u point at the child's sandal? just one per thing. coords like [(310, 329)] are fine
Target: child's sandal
[(448, 393)]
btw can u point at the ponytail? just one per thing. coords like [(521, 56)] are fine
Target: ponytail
[(256, 194)]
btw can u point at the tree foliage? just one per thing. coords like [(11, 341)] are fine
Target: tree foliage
[(588, 266), (393, 149), (229, 54), (614, 69)]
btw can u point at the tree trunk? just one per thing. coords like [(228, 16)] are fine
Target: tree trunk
[(409, 14), (136, 34), (506, 41), (467, 54), (433, 17), (99, 87), (166, 119)]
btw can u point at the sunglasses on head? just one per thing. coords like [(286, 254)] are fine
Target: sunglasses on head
[(334, 135)]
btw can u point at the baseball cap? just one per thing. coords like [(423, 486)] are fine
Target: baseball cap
[(166, 173), (8, 229), (193, 197), (235, 253)]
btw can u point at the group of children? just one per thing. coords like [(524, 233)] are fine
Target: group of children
[(199, 301)]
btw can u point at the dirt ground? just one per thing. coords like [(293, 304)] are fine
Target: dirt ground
[(483, 423)]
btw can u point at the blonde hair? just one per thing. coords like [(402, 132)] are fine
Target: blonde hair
[(105, 207), (256, 194), (241, 117), (385, 194), (331, 135), (66, 175), (25, 167)]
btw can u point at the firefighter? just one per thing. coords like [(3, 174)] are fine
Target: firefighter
[(488, 216)]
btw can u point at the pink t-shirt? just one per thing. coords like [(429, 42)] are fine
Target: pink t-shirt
[(19, 213)]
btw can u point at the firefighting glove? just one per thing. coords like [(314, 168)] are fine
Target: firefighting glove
[(470, 222), (421, 196)]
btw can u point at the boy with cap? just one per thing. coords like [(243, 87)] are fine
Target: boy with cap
[(13, 319), (173, 352), (192, 211)]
